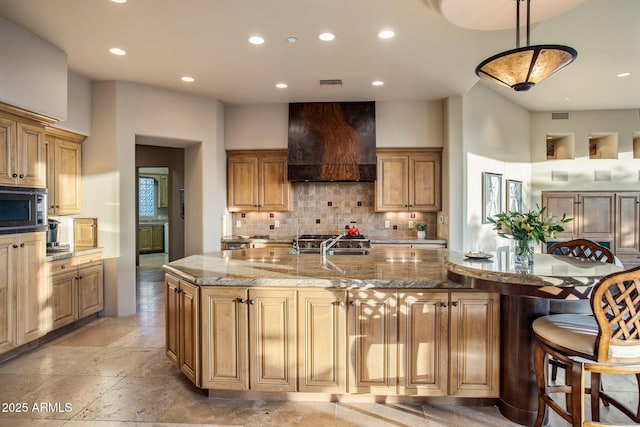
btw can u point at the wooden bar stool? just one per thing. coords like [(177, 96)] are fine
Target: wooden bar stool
[(607, 342)]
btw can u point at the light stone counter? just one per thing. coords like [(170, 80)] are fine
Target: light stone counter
[(381, 268)]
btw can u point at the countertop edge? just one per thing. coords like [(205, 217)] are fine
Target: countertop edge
[(69, 254)]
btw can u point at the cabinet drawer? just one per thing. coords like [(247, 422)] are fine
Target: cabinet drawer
[(83, 260), (61, 266)]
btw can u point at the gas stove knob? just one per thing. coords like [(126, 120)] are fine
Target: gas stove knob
[(360, 246)]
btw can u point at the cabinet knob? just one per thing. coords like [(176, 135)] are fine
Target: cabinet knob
[(21, 176), (341, 303), (455, 303), (14, 175), (15, 246), (242, 300), (353, 303), (62, 267), (22, 245), (251, 301), (443, 304)]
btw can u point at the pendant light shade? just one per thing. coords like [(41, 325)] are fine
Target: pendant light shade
[(523, 67)]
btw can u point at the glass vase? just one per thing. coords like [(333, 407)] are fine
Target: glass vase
[(523, 252)]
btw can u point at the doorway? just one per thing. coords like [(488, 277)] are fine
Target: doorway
[(160, 225)]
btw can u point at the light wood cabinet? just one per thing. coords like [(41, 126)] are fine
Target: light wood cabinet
[(85, 233), (22, 152), (188, 324), (235, 320), (182, 326), (474, 344), (151, 238), (593, 215), (64, 295), (408, 180), (257, 180), (225, 339), (77, 288), (423, 343), (8, 290), (627, 228), (448, 344), (24, 290), (322, 340), (386, 342), (172, 306), (64, 171), (163, 191), (272, 338), (372, 334)]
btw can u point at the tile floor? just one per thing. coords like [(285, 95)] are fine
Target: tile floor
[(113, 372)]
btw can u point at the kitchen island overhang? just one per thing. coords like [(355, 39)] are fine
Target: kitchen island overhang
[(389, 323)]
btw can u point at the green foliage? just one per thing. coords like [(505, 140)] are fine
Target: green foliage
[(421, 226), (528, 225)]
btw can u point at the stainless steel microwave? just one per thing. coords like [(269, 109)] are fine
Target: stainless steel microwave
[(23, 210)]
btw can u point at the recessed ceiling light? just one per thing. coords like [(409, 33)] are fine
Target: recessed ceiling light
[(117, 51), (119, 1), (292, 39), (187, 79), (377, 83), (627, 74), (281, 85), (386, 34), (256, 40), (327, 37)]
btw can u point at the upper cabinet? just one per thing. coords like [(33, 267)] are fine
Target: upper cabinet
[(22, 152), (257, 180), (408, 179), (64, 171)]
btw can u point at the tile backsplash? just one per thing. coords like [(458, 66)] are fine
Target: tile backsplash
[(326, 208)]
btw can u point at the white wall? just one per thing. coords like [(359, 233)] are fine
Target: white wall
[(398, 124), (580, 171), (496, 136), (33, 72), (120, 112), (78, 105)]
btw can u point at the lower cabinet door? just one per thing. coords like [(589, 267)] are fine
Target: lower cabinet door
[(65, 299), (90, 289), (372, 354), (272, 340), (474, 344), (223, 317), (322, 340), (34, 295), (188, 338), (423, 343), (172, 304)]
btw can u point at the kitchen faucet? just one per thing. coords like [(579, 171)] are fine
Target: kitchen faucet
[(328, 244)]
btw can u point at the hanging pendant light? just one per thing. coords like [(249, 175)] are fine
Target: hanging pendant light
[(521, 68)]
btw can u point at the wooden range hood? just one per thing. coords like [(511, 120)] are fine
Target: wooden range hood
[(332, 141)]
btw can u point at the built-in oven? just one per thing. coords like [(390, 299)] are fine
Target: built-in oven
[(23, 210)]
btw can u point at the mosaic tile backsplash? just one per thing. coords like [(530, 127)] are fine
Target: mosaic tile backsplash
[(326, 208)]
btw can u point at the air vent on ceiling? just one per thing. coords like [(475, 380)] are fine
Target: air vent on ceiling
[(559, 116), (331, 82)]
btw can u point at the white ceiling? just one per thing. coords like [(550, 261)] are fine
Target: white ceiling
[(429, 58)]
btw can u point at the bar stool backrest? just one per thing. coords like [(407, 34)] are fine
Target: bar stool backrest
[(615, 301), (583, 248)]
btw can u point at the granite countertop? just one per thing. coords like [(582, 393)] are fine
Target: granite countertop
[(256, 239), (55, 256), (409, 241), (549, 273), (381, 268)]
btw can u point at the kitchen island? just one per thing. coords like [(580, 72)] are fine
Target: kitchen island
[(265, 322)]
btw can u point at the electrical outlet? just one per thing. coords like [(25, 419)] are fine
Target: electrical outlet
[(238, 224), (387, 224), (277, 223), (441, 219), (410, 224)]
